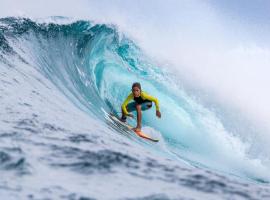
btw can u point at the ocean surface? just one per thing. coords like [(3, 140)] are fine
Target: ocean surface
[(60, 79)]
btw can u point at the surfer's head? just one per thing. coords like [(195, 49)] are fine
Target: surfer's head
[(136, 89)]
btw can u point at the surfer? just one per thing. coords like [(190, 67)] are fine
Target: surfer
[(142, 101)]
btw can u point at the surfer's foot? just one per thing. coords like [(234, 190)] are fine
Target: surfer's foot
[(123, 119), (137, 129)]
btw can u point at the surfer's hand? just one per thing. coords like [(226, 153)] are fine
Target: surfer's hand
[(130, 115), (158, 114)]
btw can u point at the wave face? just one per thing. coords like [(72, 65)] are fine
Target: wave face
[(59, 81)]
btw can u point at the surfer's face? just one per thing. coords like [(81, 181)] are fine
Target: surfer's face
[(136, 91)]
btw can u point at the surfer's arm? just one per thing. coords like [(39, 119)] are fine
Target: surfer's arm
[(124, 105), (151, 98)]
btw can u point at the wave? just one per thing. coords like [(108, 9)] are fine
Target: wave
[(94, 65)]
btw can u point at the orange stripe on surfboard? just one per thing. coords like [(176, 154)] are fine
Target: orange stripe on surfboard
[(143, 135)]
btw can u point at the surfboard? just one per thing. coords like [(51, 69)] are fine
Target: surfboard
[(139, 133)]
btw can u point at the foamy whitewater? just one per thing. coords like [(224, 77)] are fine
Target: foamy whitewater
[(60, 78)]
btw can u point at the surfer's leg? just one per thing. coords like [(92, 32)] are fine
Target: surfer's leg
[(139, 116), (146, 106)]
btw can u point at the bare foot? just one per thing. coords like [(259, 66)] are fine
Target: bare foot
[(137, 129)]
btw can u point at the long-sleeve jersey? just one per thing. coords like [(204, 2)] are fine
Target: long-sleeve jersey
[(144, 96)]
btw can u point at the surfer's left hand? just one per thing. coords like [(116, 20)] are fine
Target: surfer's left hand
[(158, 114)]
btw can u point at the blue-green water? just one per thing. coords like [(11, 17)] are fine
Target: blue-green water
[(58, 84)]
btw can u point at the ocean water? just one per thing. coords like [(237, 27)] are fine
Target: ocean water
[(60, 79)]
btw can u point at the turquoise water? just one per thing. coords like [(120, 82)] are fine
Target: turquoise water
[(82, 71)]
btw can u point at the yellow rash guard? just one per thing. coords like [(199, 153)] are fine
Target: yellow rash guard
[(144, 96)]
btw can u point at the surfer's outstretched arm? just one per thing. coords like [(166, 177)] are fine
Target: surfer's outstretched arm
[(124, 107), (155, 100)]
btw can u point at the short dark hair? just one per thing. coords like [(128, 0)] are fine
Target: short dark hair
[(136, 84)]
